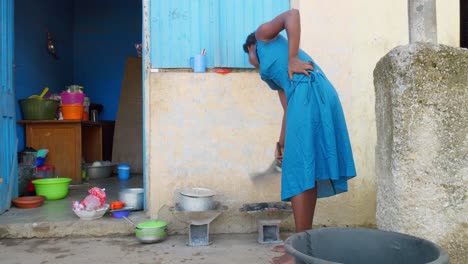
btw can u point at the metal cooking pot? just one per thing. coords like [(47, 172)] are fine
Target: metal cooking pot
[(151, 231), (132, 197), (196, 199), (151, 235)]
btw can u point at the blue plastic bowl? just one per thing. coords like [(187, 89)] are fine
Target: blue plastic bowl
[(120, 214)]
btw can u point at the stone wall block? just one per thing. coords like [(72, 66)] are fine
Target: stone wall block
[(422, 144)]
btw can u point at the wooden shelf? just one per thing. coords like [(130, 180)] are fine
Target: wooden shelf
[(70, 141)]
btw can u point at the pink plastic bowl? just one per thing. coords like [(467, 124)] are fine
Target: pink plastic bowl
[(72, 98)]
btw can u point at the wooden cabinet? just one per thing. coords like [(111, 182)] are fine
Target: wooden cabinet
[(68, 142)]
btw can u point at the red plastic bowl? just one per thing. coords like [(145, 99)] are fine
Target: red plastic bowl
[(222, 71), (28, 201), (115, 205)]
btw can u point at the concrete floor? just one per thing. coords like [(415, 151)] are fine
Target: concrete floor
[(235, 249), (56, 218), (57, 235)]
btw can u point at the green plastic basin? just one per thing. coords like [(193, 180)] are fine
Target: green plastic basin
[(38, 109), (52, 188)]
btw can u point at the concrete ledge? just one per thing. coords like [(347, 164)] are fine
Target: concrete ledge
[(106, 226)]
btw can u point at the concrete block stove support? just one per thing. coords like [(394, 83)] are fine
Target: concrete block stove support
[(268, 217), (198, 223), (269, 231), (199, 235)]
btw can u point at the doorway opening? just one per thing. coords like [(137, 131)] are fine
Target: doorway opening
[(95, 44)]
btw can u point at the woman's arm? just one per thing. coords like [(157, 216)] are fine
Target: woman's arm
[(289, 20), (284, 103)]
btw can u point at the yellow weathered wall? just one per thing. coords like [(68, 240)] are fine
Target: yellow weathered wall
[(213, 131)]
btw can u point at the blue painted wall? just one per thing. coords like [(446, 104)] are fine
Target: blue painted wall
[(93, 38), (236, 20), (35, 68), (105, 33), (220, 26), (187, 28)]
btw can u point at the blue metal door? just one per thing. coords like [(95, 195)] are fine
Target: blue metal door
[(8, 140)]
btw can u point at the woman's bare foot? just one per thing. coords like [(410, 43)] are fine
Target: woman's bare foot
[(284, 259), (279, 249)]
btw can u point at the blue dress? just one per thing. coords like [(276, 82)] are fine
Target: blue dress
[(317, 149)]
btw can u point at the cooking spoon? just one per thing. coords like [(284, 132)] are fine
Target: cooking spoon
[(42, 94), (128, 220)]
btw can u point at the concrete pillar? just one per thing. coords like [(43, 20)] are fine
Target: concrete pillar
[(422, 21)]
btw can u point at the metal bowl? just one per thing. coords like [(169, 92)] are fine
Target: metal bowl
[(99, 172)]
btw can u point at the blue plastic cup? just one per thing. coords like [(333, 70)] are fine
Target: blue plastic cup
[(124, 171), (198, 63)]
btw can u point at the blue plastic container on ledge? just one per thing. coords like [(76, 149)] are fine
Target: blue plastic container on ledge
[(124, 171)]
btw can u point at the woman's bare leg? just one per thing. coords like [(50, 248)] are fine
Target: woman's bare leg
[(303, 206)]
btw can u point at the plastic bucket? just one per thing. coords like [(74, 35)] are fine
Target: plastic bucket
[(124, 171), (362, 246), (72, 98), (72, 112)]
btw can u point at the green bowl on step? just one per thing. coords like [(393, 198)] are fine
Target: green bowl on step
[(52, 188)]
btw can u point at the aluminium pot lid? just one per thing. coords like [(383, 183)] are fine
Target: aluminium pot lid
[(197, 192)]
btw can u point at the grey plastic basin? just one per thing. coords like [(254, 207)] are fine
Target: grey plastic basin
[(362, 246)]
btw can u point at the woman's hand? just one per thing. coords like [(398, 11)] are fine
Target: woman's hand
[(295, 65), (279, 153)]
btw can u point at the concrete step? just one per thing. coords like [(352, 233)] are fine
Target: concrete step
[(12, 226), (56, 218)]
